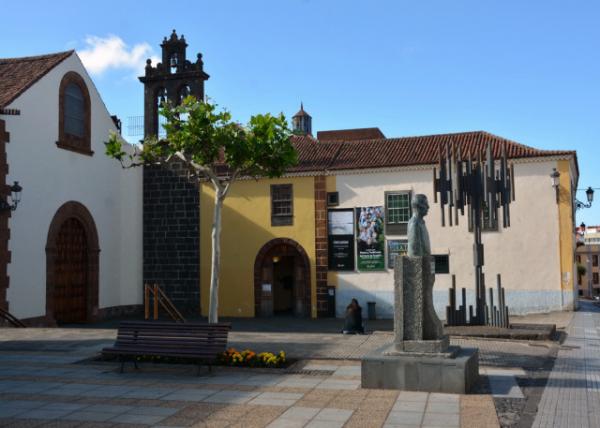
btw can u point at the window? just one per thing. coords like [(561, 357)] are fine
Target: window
[(282, 207), (74, 115), (397, 212), (595, 278), (595, 260), (442, 263)]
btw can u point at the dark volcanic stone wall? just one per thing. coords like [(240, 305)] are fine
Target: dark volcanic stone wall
[(171, 236)]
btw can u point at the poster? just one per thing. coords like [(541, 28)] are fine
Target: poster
[(340, 225), (371, 240), (396, 247)]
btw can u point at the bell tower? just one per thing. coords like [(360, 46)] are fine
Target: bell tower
[(172, 79), (302, 122)]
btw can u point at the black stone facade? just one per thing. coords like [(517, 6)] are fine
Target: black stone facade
[(171, 235)]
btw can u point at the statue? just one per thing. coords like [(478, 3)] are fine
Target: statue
[(418, 238), (420, 358), (417, 326)]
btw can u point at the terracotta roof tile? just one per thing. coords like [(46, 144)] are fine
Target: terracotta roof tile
[(350, 134), (317, 155), (18, 74)]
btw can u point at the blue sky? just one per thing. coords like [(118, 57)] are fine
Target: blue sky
[(525, 70)]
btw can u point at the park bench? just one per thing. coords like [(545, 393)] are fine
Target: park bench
[(191, 341)]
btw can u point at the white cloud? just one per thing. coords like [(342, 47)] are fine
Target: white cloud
[(104, 53)]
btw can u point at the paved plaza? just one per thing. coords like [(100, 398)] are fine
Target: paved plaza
[(50, 377)]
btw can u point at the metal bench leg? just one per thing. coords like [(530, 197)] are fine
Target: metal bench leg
[(122, 363), (135, 363), (199, 369)]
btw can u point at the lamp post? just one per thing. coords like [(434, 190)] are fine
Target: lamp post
[(555, 177), (15, 196), (589, 193)]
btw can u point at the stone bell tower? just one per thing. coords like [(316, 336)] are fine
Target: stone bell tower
[(172, 79), (171, 199)]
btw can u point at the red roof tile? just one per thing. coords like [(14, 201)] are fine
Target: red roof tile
[(350, 134), (394, 152), (18, 74)]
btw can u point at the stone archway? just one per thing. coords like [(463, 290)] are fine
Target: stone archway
[(72, 264), (264, 269)]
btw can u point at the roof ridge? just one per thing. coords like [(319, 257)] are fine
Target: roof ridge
[(36, 57)]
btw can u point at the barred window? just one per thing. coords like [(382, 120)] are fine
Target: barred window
[(397, 208), (282, 205), (442, 263)]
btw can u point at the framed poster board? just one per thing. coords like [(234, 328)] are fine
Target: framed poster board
[(396, 247), (340, 224), (370, 247)]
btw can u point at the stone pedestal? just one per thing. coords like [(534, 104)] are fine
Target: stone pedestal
[(414, 371), (420, 359)]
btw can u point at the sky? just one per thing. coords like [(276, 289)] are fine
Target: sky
[(525, 70)]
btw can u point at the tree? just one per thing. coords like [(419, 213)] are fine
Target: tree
[(215, 149)]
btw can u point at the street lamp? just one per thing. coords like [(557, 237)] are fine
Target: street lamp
[(589, 193), (555, 176), (15, 196)]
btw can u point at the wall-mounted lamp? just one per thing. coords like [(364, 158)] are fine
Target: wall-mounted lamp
[(276, 259), (555, 176), (589, 194), (15, 197)]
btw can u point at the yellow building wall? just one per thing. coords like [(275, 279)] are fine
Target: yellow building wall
[(566, 231), (246, 227)]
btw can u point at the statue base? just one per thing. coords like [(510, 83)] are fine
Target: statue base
[(455, 370)]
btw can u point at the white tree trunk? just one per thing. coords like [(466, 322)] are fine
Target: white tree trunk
[(213, 308)]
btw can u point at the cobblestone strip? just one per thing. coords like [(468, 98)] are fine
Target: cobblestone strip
[(571, 396)]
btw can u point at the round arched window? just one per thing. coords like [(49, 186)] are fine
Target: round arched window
[(74, 131)]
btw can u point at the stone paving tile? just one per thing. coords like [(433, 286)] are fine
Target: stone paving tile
[(236, 397), (22, 423), (46, 414), (148, 393), (353, 371), (74, 389), (300, 413), (441, 419), (64, 406), (88, 416), (321, 367), (189, 394), (336, 415), (404, 418), (138, 419), (338, 384)]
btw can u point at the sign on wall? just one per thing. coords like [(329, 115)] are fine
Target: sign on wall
[(341, 239), (371, 240), (396, 247)]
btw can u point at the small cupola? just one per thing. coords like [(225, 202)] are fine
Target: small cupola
[(302, 122)]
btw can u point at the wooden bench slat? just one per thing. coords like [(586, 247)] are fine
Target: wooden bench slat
[(189, 340)]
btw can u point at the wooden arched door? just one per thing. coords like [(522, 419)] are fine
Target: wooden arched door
[(70, 273), (72, 255)]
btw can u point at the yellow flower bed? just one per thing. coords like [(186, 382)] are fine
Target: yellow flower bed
[(248, 358)]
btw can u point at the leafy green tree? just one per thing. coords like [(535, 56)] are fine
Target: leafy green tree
[(217, 150)]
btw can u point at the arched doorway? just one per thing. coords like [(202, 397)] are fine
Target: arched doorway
[(282, 279), (72, 255)]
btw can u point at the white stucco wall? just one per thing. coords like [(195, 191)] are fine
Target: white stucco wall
[(51, 176), (526, 254)]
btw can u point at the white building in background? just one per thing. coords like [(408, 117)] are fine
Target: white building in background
[(75, 239), (535, 255)]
